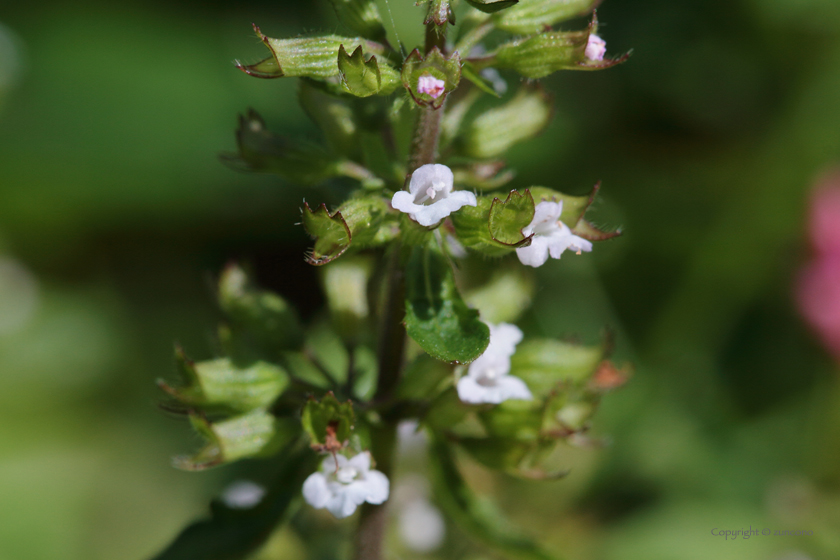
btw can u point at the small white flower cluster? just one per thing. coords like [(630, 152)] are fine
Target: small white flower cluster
[(488, 379), (343, 484)]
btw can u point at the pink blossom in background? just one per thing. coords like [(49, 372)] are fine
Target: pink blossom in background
[(818, 285), (824, 218)]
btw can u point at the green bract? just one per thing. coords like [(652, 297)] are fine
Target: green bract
[(308, 57), (365, 78), (495, 131), (435, 315), (574, 209), (357, 221), (542, 364), (494, 227), (362, 17), (255, 434), (433, 64), (533, 16), (326, 419)]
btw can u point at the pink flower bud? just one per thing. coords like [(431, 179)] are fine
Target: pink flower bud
[(430, 85), (596, 48), (824, 218)]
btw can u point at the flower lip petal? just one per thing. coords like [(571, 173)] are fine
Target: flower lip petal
[(315, 490)]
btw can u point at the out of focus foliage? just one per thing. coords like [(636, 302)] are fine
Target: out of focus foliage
[(114, 211)]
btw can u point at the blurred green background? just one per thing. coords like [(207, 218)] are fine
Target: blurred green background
[(115, 215)]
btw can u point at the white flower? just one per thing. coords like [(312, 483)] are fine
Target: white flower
[(341, 490), (430, 85), (429, 198), (596, 48), (487, 379), (551, 236)]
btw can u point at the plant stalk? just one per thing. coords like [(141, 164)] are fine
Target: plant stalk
[(373, 520)]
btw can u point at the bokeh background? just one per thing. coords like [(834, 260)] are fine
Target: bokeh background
[(115, 215)]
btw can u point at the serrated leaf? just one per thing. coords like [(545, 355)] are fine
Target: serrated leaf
[(362, 17), (478, 518), (433, 64), (491, 6), (544, 363), (255, 434), (222, 384), (261, 318), (234, 534), (436, 316), (308, 57), (365, 78), (328, 421), (473, 224), (493, 132), (533, 16)]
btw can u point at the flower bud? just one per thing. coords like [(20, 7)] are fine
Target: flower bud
[(365, 78), (423, 76)]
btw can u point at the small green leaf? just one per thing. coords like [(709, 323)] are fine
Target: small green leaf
[(491, 6), (362, 17), (328, 419), (436, 316), (365, 78), (255, 434), (331, 233), (493, 132), (543, 364), (533, 16), (308, 57), (222, 384), (508, 294), (265, 319), (477, 227), (234, 534), (477, 517), (436, 65)]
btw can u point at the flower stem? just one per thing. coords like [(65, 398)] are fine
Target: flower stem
[(373, 521)]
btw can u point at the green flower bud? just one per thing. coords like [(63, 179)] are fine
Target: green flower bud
[(309, 57), (429, 79), (222, 385), (364, 79), (490, 6), (495, 131), (533, 16), (362, 17), (256, 434)]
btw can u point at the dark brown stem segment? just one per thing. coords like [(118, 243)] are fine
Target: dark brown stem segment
[(373, 521)]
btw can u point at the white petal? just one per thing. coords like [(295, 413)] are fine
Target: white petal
[(315, 490), (546, 212), (377, 487), (469, 391), (513, 388), (341, 504), (491, 359), (535, 254), (580, 244), (425, 175), (504, 337), (360, 462), (433, 213), (404, 202)]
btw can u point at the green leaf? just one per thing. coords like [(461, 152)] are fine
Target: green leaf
[(365, 78), (543, 364), (263, 151), (533, 16), (508, 294), (334, 116), (493, 132), (491, 6), (432, 64), (234, 534), (362, 17), (326, 419), (308, 57), (264, 318), (220, 383), (478, 227), (477, 517), (436, 316), (255, 434)]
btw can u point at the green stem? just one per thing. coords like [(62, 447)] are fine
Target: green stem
[(373, 521)]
